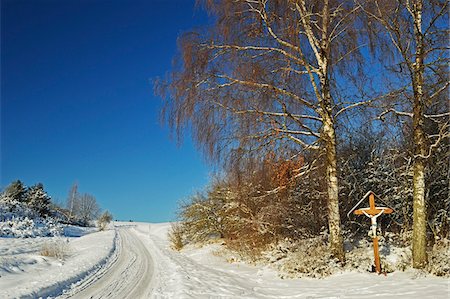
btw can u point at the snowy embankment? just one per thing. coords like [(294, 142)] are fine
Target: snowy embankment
[(25, 272), (202, 273)]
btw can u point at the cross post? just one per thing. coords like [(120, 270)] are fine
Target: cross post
[(373, 213)]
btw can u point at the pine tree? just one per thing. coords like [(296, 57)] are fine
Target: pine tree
[(16, 191), (38, 199)]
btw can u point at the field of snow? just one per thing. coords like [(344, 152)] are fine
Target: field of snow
[(24, 272), (134, 261)]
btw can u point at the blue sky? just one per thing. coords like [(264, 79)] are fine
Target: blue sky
[(77, 102)]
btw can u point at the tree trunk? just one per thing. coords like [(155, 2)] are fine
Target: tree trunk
[(334, 219), (419, 243), (329, 137)]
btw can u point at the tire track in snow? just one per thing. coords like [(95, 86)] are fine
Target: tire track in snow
[(129, 277), (181, 277)]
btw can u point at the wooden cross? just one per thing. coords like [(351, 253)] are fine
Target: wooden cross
[(373, 213)]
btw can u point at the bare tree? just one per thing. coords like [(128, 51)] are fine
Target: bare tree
[(262, 79), (72, 199), (87, 208), (417, 31)]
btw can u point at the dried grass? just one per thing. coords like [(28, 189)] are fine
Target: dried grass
[(176, 236), (58, 248)]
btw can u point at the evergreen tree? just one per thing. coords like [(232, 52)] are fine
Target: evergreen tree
[(16, 191), (38, 199)]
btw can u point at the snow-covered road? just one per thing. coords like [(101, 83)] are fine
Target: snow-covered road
[(129, 276)]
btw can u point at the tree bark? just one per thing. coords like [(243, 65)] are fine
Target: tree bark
[(329, 136), (419, 243), (334, 219)]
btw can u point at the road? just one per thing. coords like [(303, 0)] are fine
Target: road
[(129, 276)]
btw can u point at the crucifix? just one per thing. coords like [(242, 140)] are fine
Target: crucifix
[(373, 213)]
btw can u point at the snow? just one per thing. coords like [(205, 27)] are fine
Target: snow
[(199, 273), (95, 261), (25, 272), (17, 219)]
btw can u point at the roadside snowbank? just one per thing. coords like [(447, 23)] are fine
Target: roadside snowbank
[(25, 273), (203, 273)]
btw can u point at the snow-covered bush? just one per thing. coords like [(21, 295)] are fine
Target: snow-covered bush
[(306, 258), (439, 258), (392, 258), (10, 208), (396, 255), (359, 256), (27, 228), (17, 219)]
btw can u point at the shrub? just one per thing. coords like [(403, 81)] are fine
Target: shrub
[(57, 248), (176, 236), (439, 258), (309, 258), (104, 220)]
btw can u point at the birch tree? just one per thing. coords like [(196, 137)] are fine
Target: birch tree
[(72, 199), (262, 78), (417, 31)]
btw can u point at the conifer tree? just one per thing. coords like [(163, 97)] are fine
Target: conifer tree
[(16, 191), (38, 199)]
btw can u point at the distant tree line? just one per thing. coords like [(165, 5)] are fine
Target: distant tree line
[(79, 209)]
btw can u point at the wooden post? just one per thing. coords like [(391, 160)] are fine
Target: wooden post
[(373, 213), (376, 254), (372, 201)]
